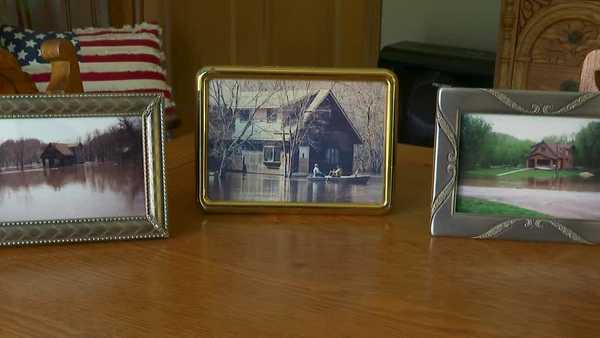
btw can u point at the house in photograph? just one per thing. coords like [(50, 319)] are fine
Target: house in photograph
[(61, 154), (550, 155), (315, 120)]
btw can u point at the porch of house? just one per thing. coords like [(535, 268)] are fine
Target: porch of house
[(536, 162)]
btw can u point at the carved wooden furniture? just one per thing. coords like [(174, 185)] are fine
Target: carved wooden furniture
[(590, 79), (12, 79), (61, 54), (543, 43), (64, 15)]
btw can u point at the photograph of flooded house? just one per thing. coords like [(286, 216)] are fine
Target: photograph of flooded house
[(551, 155), (529, 166), (273, 140), (61, 154), (93, 165)]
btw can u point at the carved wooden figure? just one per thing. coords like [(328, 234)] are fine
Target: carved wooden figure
[(65, 67), (64, 77)]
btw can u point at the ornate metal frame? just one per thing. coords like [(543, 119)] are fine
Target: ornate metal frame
[(153, 224), (452, 103)]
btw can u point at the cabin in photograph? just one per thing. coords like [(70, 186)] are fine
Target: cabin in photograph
[(61, 155), (549, 155), (327, 134)]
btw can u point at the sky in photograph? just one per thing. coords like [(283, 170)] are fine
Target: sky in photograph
[(534, 128), (61, 130)]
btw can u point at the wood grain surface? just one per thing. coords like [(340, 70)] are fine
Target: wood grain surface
[(299, 276), (315, 33)]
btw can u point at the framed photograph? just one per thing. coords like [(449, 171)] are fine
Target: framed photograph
[(295, 139), (79, 168), (517, 165)]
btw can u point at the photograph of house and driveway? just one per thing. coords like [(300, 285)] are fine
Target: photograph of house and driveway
[(69, 168), (296, 141), (529, 166)]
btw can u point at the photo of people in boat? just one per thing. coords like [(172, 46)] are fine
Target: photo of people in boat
[(296, 141)]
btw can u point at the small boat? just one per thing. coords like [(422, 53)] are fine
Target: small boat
[(352, 179)]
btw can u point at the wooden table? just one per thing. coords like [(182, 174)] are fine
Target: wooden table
[(301, 276)]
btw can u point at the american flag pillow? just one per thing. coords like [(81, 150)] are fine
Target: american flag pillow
[(128, 59)]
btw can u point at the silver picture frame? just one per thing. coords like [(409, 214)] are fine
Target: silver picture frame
[(151, 222), (452, 104)]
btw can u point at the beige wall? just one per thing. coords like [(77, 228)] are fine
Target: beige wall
[(461, 23)]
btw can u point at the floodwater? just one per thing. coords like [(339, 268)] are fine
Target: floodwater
[(272, 188), (82, 191), (577, 183)]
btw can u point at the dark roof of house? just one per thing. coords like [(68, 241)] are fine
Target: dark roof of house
[(63, 148), (551, 150), (268, 131)]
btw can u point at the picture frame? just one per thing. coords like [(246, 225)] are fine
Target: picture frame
[(269, 116), (87, 167), (540, 190)]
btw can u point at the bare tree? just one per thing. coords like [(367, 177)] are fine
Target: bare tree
[(366, 104), (226, 103)]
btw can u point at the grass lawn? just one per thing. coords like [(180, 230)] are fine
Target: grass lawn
[(492, 173), (482, 207)]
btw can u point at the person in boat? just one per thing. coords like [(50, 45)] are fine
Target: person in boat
[(317, 172), (337, 172)]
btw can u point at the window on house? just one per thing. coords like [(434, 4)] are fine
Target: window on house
[(244, 114), (271, 115), (271, 154)]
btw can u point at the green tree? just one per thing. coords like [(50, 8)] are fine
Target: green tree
[(474, 133), (559, 139), (587, 146)]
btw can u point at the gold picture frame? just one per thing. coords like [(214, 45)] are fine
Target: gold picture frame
[(279, 98), (108, 191)]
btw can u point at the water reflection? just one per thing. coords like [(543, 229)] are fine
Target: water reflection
[(271, 188), (575, 183), (82, 191)]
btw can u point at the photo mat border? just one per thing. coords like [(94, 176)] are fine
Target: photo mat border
[(451, 104), (150, 109), (207, 74)]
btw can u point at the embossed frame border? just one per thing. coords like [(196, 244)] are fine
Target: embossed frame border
[(154, 224), (451, 104)]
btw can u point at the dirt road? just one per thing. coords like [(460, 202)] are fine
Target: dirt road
[(560, 204)]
